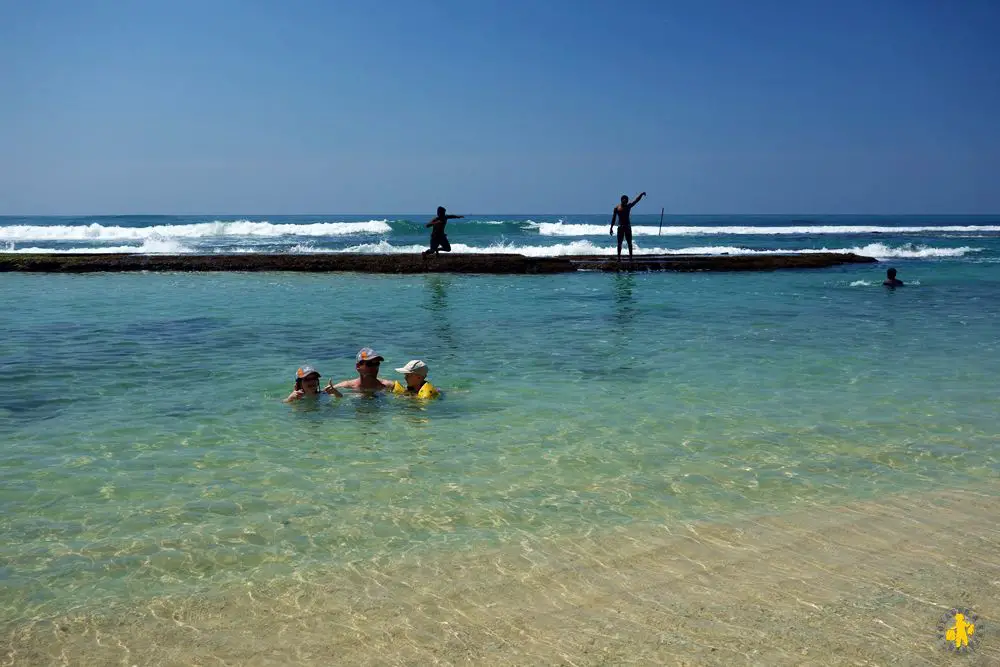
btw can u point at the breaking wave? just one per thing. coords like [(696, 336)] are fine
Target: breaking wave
[(217, 228)]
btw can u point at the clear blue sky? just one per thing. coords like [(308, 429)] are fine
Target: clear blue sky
[(506, 106)]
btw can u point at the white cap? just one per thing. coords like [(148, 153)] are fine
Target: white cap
[(415, 366)]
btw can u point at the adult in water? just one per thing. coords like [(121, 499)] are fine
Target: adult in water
[(621, 213), (415, 374), (368, 381), (891, 280), (307, 385), (439, 241)]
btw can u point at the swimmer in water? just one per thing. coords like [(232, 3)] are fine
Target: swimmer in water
[(891, 280), (368, 381), (415, 374), (307, 385)]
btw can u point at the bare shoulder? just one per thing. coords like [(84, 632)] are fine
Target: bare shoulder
[(348, 384)]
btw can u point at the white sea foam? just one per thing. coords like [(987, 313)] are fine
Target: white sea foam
[(584, 247), (148, 247), (578, 247), (386, 248), (378, 248), (869, 283), (217, 228), (905, 251), (562, 229)]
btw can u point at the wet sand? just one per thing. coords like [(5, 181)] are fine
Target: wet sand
[(415, 263), (859, 584)]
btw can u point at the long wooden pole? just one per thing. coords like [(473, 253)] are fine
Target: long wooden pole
[(661, 222)]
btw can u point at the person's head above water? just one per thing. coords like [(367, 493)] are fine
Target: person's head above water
[(367, 364), (891, 280), (441, 210), (368, 361), (307, 380), (415, 372), (307, 385), (624, 199)]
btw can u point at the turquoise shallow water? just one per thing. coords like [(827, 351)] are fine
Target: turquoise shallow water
[(146, 450)]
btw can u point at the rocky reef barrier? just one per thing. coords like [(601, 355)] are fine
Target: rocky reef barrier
[(416, 263)]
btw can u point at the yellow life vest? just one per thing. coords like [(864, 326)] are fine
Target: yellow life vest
[(426, 391)]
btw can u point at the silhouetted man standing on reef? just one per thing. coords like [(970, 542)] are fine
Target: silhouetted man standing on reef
[(621, 213), (438, 238)]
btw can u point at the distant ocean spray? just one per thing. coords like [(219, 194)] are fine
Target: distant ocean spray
[(884, 237)]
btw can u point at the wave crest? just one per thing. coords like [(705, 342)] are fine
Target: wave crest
[(562, 229), (216, 228), (148, 247), (579, 247)]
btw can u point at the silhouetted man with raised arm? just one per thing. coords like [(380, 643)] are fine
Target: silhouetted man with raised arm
[(621, 214), (438, 238)]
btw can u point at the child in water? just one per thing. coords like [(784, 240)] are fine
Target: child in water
[(307, 385), (415, 374)]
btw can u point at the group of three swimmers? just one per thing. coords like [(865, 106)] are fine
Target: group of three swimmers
[(368, 362)]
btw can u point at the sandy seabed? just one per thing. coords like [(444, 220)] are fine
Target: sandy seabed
[(860, 584)]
